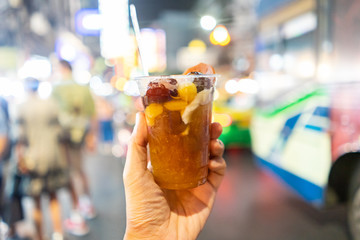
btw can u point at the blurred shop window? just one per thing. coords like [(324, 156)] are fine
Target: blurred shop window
[(286, 57)]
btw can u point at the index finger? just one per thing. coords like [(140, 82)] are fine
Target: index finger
[(215, 130), (136, 159)]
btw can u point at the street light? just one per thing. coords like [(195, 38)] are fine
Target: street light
[(208, 22), (220, 36)]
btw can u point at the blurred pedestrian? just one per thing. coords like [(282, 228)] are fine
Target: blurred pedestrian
[(5, 139), (105, 112), (38, 155), (10, 197), (4, 155), (77, 115)]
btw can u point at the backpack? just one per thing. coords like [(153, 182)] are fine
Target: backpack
[(4, 156), (74, 129)]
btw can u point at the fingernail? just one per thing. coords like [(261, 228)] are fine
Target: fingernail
[(220, 142)]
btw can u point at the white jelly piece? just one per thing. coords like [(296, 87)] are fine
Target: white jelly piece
[(202, 98)]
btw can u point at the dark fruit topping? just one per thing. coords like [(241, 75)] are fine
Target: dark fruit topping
[(194, 73), (154, 85), (174, 93), (172, 81), (200, 82)]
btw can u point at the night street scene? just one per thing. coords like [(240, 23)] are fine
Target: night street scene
[(179, 120)]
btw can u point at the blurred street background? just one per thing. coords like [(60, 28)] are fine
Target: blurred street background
[(287, 98)]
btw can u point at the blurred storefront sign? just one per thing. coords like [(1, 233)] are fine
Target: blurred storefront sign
[(270, 14), (127, 65), (300, 25), (286, 44), (154, 43), (268, 6), (114, 35), (88, 22), (116, 44)]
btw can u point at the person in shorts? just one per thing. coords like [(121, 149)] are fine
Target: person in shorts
[(43, 169), (77, 114)]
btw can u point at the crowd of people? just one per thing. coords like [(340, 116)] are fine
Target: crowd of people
[(41, 151)]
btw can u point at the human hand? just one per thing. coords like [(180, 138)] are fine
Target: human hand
[(91, 142), (155, 213), (21, 165)]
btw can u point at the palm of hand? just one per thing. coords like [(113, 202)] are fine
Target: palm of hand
[(170, 214), (190, 209)]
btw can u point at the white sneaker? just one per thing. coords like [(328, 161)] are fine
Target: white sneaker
[(86, 208), (4, 230), (76, 225), (57, 236)]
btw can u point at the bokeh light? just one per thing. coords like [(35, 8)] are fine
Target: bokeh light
[(44, 90), (220, 36), (247, 85), (37, 67), (124, 136), (197, 45), (231, 86), (208, 22)]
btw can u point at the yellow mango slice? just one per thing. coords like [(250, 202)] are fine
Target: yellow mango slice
[(152, 111), (187, 91), (175, 105), (150, 121)]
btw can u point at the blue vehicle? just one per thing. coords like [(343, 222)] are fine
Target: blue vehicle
[(306, 124)]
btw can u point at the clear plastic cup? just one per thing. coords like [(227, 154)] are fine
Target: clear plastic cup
[(178, 114)]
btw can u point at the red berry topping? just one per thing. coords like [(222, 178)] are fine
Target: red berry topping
[(156, 93)]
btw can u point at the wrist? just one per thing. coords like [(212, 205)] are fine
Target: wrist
[(134, 235), (130, 236)]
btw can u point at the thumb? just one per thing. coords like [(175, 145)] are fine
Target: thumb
[(136, 159)]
